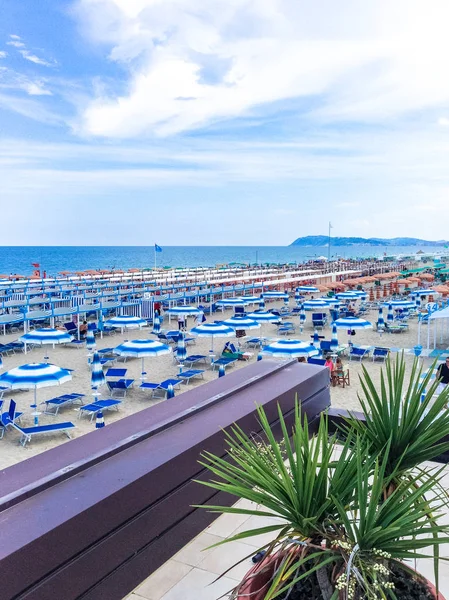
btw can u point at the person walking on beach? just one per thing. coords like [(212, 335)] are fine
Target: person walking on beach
[(181, 322)]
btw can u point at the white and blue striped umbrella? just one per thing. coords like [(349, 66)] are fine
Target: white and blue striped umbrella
[(183, 310), (302, 315), (261, 303), (316, 340), (33, 376), (156, 325), (274, 294), (426, 292), (380, 320), (170, 391), (213, 330), (90, 339), (390, 315), (221, 371), (142, 349), (46, 335), (251, 299), (312, 304), (99, 421), (241, 323), (263, 317), (418, 302), (97, 376), (231, 302), (286, 300), (307, 289), (334, 338), (1, 362), (126, 321), (400, 304), (347, 296), (332, 302), (352, 323), (181, 350), (290, 349)]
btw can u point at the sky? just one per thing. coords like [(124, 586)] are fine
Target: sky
[(226, 122)]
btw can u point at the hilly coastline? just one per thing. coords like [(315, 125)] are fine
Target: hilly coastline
[(323, 240)]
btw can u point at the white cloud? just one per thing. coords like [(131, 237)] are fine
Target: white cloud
[(444, 121), (16, 44), (36, 88), (35, 59), (3, 54), (192, 63), (15, 37)]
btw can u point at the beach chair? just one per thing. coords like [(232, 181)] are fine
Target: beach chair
[(319, 320), (71, 328), (116, 372), (254, 343), (195, 358), (286, 328), (158, 389), (3, 390), (316, 361), (341, 377), (225, 362), (52, 406), (325, 346), (380, 354), (28, 432), (357, 353), (186, 376), (9, 418), (120, 387), (7, 349), (99, 405)]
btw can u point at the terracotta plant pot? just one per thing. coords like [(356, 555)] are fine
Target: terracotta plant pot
[(257, 580)]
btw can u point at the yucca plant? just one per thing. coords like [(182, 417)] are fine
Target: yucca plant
[(347, 513)]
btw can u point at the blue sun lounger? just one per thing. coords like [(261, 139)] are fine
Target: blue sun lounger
[(60, 401), (120, 387), (29, 432), (160, 388), (226, 362), (99, 405), (8, 418), (186, 376), (195, 358)]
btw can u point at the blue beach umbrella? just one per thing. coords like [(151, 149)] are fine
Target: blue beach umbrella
[(126, 322), (418, 302), (213, 330), (286, 300), (239, 323), (261, 303), (263, 316), (156, 325), (352, 323), (302, 315), (142, 349), (400, 304), (332, 302), (312, 304), (183, 310), (46, 335), (33, 376), (380, 320), (334, 338), (97, 376), (231, 302), (307, 289), (221, 371), (90, 339), (316, 340), (170, 391), (99, 421), (1, 362), (181, 351), (289, 349), (274, 295), (390, 315)]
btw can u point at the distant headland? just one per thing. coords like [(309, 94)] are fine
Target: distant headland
[(323, 240)]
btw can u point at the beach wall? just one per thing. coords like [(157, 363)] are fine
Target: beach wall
[(94, 517)]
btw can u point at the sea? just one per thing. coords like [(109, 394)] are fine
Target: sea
[(54, 259)]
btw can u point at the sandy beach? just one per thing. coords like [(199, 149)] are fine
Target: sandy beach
[(159, 369)]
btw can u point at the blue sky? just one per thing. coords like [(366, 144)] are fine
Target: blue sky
[(227, 122)]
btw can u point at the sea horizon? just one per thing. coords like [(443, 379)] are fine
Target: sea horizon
[(54, 259)]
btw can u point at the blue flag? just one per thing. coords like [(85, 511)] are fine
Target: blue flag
[(157, 248)]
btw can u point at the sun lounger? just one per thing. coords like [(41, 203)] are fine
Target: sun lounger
[(357, 353), (116, 372), (158, 388), (3, 390), (254, 343), (71, 328), (316, 361), (76, 344), (195, 358), (186, 376), (120, 387), (60, 401), (29, 432), (286, 328), (10, 418), (225, 362), (380, 354), (6, 349), (99, 405)]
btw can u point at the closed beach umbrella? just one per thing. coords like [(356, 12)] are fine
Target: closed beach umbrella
[(142, 349), (263, 317), (221, 371), (97, 376), (261, 303), (380, 320), (170, 391), (90, 338), (33, 376), (99, 421), (286, 300), (334, 338), (418, 302), (311, 304), (126, 322), (156, 325), (46, 335), (290, 349), (390, 315), (316, 339), (1, 362), (213, 330), (352, 323), (302, 315), (181, 350), (239, 323)]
